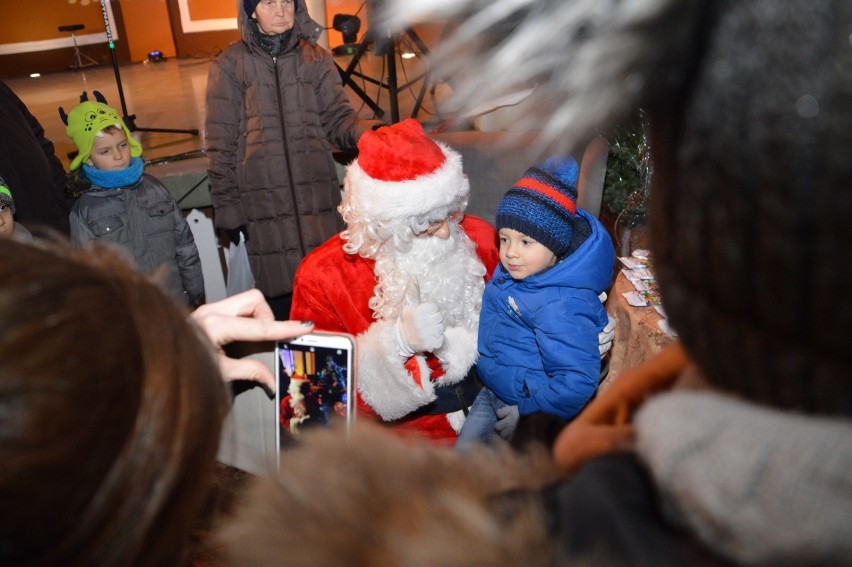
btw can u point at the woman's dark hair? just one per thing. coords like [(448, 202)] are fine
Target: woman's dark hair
[(111, 406)]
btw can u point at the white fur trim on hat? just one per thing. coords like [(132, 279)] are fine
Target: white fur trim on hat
[(411, 198)]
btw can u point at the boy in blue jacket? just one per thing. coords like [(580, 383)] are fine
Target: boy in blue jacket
[(541, 315)]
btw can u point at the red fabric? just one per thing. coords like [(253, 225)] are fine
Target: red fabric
[(399, 152), (333, 289), (543, 188)]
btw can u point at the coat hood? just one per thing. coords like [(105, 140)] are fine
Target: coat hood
[(303, 28)]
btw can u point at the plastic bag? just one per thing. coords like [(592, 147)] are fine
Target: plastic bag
[(240, 278)]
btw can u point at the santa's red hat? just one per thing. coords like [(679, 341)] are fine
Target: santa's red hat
[(402, 173)]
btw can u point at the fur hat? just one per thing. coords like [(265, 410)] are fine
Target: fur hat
[(402, 173), (6, 196), (87, 120), (543, 204)]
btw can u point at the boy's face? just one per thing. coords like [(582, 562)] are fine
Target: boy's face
[(110, 151), (523, 256), (7, 223)]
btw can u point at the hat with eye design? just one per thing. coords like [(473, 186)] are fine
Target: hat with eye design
[(87, 120)]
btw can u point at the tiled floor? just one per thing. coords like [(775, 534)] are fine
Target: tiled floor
[(170, 95)]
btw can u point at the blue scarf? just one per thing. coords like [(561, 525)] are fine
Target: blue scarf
[(116, 178)]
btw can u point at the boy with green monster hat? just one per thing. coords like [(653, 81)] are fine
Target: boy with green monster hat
[(117, 202)]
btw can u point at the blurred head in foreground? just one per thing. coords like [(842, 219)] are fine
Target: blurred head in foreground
[(110, 409), (375, 498)]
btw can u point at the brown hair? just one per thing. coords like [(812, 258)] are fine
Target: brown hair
[(111, 406)]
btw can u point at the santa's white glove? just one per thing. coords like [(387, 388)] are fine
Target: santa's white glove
[(419, 328), (605, 337)]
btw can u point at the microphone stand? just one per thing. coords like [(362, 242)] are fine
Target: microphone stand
[(130, 119)]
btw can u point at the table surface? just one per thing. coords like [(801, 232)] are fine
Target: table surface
[(638, 335)]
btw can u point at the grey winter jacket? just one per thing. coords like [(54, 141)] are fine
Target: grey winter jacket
[(146, 221), (271, 124)]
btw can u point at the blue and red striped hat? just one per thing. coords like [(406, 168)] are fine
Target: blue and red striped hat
[(543, 204)]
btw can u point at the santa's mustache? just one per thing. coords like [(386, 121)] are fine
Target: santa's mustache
[(446, 272)]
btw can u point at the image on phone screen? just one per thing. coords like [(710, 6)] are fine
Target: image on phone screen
[(315, 384)]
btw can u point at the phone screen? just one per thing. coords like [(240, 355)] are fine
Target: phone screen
[(315, 376)]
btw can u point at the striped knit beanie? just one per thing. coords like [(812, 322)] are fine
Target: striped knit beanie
[(543, 204)]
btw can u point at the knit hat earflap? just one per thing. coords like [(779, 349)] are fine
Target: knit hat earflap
[(6, 196), (401, 173), (86, 120), (543, 204)]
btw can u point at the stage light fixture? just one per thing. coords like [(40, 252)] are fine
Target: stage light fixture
[(348, 26), (156, 57)]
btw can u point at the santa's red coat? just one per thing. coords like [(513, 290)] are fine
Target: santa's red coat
[(333, 289)]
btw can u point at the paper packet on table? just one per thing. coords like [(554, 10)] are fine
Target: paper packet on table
[(642, 298), (630, 262)]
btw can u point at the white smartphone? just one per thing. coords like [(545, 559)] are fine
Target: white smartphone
[(316, 384)]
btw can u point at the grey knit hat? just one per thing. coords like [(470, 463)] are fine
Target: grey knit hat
[(751, 205)]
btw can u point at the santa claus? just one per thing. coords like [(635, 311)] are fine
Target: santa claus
[(406, 279)]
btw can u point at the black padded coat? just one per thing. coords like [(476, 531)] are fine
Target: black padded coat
[(271, 125)]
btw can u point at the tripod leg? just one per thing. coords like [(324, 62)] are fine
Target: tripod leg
[(347, 80), (417, 41), (393, 90), (89, 59), (346, 76), (419, 101)]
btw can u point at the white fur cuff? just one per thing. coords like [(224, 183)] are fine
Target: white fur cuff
[(383, 381)]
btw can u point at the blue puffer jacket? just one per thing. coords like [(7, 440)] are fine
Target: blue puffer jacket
[(538, 337)]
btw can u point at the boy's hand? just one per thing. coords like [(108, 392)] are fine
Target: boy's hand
[(507, 421), (606, 336)]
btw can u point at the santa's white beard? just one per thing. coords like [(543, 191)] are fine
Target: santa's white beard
[(446, 272)]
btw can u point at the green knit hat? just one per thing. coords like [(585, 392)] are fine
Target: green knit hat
[(6, 196), (86, 120)]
